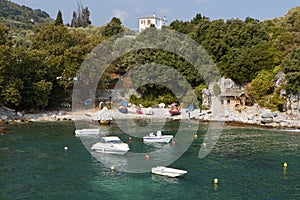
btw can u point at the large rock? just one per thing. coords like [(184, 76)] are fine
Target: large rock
[(250, 117), (20, 114), (4, 117), (267, 114), (266, 120)]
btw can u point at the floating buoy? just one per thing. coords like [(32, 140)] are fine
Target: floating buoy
[(204, 144), (216, 181), (147, 157), (112, 168), (174, 142), (66, 148), (130, 139), (285, 164), (195, 136)]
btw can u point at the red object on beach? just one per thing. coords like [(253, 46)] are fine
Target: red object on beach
[(139, 111), (174, 111)]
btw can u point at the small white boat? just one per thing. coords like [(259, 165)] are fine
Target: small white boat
[(168, 171), (157, 138), (86, 132), (111, 145)]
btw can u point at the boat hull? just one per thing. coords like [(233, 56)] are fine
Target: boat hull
[(167, 171), (111, 148), (162, 139), (111, 151), (86, 132)]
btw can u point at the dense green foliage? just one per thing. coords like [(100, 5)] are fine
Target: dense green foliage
[(37, 66), (113, 27), (40, 75), (292, 69), (248, 51), (240, 48)]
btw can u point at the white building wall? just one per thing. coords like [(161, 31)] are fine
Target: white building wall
[(145, 22)]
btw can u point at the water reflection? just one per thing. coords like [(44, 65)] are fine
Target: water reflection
[(164, 179)]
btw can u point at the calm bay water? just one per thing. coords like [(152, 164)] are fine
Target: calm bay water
[(247, 162)]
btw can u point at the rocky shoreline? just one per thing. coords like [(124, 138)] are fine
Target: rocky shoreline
[(264, 118), (10, 116)]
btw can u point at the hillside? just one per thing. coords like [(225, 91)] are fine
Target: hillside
[(38, 65), (16, 16)]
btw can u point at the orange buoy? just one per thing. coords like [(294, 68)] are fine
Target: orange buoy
[(174, 142), (147, 157)]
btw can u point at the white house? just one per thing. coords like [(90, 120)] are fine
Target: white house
[(145, 22)]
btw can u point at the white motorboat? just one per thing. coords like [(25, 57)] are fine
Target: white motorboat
[(86, 132), (111, 145), (168, 171), (157, 138)]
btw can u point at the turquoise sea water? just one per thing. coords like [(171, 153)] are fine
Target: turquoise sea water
[(247, 162)]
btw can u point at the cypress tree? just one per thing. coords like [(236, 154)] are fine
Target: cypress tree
[(59, 20)]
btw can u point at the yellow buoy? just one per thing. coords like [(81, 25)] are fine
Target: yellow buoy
[(195, 136), (216, 181), (285, 164)]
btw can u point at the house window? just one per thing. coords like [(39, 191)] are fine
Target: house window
[(149, 22), (228, 101)]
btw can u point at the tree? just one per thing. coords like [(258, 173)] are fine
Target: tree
[(11, 92), (74, 22), (113, 27), (85, 17), (42, 90), (261, 86), (9, 85), (3, 34), (59, 20), (291, 65), (81, 18)]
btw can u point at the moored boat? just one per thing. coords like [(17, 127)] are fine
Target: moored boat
[(111, 145), (86, 132), (157, 138), (168, 171)]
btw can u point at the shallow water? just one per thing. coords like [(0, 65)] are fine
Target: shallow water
[(247, 162)]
